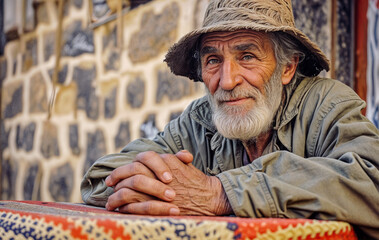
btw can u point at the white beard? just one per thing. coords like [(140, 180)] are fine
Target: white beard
[(236, 122)]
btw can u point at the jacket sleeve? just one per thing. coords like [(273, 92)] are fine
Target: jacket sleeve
[(330, 172)]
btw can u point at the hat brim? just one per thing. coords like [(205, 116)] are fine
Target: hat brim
[(180, 57)]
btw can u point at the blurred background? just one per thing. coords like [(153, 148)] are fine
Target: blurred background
[(82, 78)]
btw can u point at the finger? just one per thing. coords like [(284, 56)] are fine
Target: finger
[(152, 207), (125, 196), (126, 171), (156, 164), (184, 156), (148, 186)]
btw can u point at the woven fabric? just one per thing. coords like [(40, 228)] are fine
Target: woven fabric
[(46, 220)]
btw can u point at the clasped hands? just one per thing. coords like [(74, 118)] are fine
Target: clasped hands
[(165, 184)]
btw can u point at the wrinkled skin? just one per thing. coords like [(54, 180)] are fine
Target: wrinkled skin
[(169, 185)]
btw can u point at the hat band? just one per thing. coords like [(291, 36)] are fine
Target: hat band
[(249, 16)]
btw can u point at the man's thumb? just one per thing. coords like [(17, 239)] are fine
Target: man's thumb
[(184, 156)]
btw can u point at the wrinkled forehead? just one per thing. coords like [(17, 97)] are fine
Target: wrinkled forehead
[(260, 39)]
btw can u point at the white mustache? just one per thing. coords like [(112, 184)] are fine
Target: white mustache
[(237, 93)]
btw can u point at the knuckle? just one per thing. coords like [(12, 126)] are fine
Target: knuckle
[(137, 167), (148, 207), (146, 156), (136, 181), (123, 193)]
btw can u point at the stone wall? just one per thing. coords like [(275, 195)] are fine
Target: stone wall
[(107, 93)]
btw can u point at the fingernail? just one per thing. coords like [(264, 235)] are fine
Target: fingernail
[(167, 176), (107, 179), (169, 194), (174, 211)]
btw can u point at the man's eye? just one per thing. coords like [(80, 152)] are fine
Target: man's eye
[(213, 61), (247, 57)]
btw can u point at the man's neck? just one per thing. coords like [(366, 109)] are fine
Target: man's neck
[(255, 148)]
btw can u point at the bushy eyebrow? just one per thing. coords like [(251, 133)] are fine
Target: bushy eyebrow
[(246, 46), (241, 47), (207, 50)]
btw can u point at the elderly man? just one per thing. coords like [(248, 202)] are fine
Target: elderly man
[(270, 139)]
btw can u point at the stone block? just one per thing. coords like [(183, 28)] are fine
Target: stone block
[(110, 38), (111, 53), (4, 137), (77, 41), (110, 104), (28, 19), (148, 129), (100, 9), (77, 3), (32, 182), (87, 100), (29, 57), (49, 140), (12, 99), (49, 40), (74, 139), (65, 100), (25, 137), (3, 69), (38, 94), (96, 148), (345, 43), (123, 135), (311, 16), (28, 136), (61, 183), (92, 105), (135, 92), (111, 59), (84, 75), (109, 91), (18, 137), (157, 33), (62, 74), (171, 86), (41, 15), (66, 7), (9, 175)]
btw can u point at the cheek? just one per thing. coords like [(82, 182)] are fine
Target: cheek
[(211, 82), (259, 77)]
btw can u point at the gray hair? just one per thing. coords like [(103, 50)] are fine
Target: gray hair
[(286, 48)]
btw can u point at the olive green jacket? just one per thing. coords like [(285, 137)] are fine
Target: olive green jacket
[(322, 161)]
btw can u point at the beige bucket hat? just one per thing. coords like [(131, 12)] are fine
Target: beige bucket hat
[(232, 15)]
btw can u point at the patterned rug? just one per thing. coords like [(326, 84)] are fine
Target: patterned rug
[(49, 220)]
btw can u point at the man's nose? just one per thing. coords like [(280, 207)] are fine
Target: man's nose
[(229, 76)]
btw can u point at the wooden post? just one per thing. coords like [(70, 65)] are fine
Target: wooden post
[(360, 54)]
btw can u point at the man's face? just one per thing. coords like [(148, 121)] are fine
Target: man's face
[(244, 85)]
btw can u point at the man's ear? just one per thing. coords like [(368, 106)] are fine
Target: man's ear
[(289, 70)]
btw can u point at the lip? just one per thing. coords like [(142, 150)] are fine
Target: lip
[(237, 101)]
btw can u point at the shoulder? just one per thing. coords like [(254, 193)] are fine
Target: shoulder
[(331, 88), (319, 92)]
